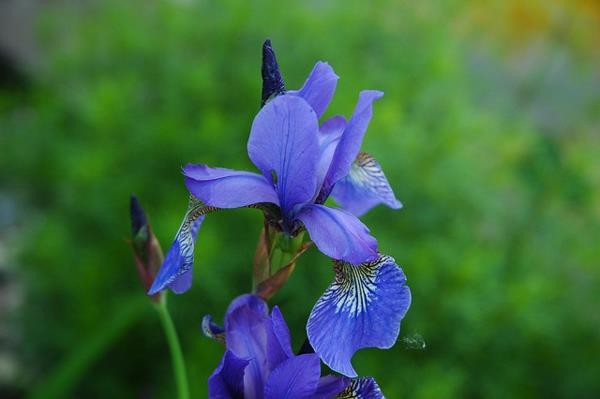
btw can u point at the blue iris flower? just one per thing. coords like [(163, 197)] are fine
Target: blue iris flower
[(259, 362)]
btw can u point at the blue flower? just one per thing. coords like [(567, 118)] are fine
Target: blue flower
[(259, 363), (301, 164)]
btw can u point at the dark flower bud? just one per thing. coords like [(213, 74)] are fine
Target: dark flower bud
[(272, 81), (146, 248)]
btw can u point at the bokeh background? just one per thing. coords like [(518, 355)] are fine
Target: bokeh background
[(488, 132)]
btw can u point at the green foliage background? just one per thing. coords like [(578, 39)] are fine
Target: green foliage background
[(488, 132)]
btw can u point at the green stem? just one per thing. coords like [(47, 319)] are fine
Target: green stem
[(177, 361)]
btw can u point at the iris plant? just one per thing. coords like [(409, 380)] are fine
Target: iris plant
[(301, 161)]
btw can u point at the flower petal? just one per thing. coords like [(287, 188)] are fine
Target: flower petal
[(362, 388), (349, 145), (281, 331), (283, 145), (362, 308), (364, 187), (226, 188), (296, 378), (176, 271), (329, 136), (226, 381), (330, 385), (338, 234), (319, 87)]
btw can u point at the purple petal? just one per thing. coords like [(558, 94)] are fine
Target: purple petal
[(272, 81), (338, 234), (319, 87), (362, 388), (283, 145), (296, 378), (176, 270), (226, 381), (349, 145), (225, 188), (330, 386), (329, 136), (362, 308), (364, 187), (281, 331), (246, 337)]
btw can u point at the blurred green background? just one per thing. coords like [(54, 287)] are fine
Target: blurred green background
[(488, 132)]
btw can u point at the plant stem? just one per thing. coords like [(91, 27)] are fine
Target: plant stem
[(178, 363)]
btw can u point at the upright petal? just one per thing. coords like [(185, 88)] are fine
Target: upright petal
[(349, 145), (283, 145), (338, 234), (249, 334), (281, 331), (364, 187), (226, 382), (296, 378), (362, 388), (361, 308), (225, 188), (329, 136), (176, 270), (319, 87)]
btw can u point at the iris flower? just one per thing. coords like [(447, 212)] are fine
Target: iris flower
[(259, 362), (301, 164)]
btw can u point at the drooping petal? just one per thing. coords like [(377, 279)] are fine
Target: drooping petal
[(319, 87), (296, 378), (330, 386), (349, 145), (226, 188), (338, 234), (364, 187), (272, 82), (361, 308), (226, 382), (362, 388), (176, 270), (212, 330), (283, 145), (329, 136)]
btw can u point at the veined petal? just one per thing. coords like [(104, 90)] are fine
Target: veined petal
[(349, 145), (319, 87), (331, 385), (364, 187), (362, 308), (296, 378), (338, 234), (283, 145), (226, 382), (362, 388), (271, 77), (226, 188), (176, 271)]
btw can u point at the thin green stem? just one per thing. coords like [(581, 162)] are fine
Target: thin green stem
[(178, 363)]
